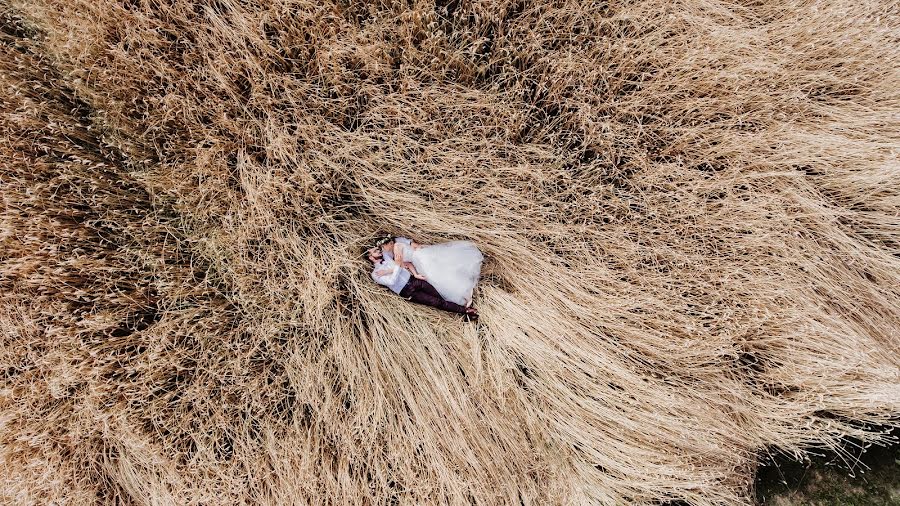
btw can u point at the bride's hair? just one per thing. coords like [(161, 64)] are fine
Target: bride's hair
[(379, 243)]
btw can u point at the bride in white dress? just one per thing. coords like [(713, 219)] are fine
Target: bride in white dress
[(452, 268)]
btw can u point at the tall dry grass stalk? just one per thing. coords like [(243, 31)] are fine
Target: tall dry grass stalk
[(689, 211)]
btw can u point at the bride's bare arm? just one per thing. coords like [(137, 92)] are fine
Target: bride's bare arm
[(398, 258), (413, 271)]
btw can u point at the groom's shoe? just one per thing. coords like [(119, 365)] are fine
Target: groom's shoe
[(471, 314)]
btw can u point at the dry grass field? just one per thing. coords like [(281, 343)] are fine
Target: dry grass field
[(689, 209)]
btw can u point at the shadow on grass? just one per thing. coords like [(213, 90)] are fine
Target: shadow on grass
[(874, 480)]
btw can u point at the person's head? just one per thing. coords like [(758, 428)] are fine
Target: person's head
[(385, 244), (374, 255)]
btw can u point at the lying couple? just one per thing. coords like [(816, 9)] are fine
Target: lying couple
[(437, 275)]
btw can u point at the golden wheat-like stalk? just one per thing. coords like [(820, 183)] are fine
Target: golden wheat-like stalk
[(690, 213)]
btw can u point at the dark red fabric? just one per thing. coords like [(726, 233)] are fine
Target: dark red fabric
[(421, 292)]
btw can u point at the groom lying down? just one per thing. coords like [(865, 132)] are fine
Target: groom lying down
[(386, 272)]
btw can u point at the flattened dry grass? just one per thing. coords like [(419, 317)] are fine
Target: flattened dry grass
[(689, 212)]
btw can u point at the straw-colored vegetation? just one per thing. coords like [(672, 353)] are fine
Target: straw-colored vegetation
[(689, 212)]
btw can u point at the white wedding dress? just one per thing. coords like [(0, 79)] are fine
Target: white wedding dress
[(452, 268)]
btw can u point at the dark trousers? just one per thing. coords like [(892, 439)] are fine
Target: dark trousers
[(421, 292)]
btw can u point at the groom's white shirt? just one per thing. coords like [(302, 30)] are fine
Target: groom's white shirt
[(396, 276)]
